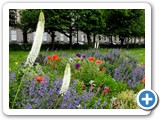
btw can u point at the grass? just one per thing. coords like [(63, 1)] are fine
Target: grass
[(17, 57)]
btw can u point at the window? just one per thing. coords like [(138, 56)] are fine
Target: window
[(75, 38), (45, 36), (61, 37), (82, 37), (68, 39), (13, 35)]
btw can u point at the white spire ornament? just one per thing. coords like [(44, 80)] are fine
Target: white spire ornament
[(66, 80), (37, 41), (97, 44)]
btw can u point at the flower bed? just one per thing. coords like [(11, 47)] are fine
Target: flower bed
[(108, 80)]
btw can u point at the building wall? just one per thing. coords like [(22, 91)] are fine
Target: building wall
[(16, 36)]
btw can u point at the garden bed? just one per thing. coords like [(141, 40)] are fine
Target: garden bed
[(99, 80)]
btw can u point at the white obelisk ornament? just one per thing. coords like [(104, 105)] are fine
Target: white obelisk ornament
[(66, 80), (37, 41)]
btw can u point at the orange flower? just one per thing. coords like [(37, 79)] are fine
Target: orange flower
[(103, 68), (91, 59), (49, 57), (41, 79), (143, 80), (56, 57), (98, 62)]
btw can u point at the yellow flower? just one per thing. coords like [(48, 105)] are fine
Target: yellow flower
[(16, 63)]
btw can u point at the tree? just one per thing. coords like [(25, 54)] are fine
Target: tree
[(91, 22), (125, 23), (138, 24), (60, 20), (28, 21), (12, 17)]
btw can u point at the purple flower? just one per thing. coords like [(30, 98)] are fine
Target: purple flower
[(12, 76), (84, 56), (77, 65), (29, 106), (78, 55)]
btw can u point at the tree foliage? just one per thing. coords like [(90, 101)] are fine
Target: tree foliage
[(125, 23), (13, 18)]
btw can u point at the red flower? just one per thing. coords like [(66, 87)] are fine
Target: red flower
[(105, 90), (103, 68), (49, 57), (91, 59), (143, 80), (41, 79), (56, 57), (98, 62)]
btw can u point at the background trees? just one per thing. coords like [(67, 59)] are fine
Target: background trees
[(12, 18), (91, 22), (124, 23)]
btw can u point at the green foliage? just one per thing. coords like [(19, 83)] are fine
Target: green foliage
[(104, 80), (125, 23), (124, 100), (139, 87), (86, 72)]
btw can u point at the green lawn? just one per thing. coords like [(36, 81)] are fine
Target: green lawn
[(17, 57)]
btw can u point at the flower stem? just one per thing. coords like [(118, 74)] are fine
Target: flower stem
[(19, 87)]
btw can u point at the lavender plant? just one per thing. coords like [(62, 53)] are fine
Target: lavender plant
[(45, 95)]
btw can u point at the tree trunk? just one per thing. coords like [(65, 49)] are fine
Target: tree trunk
[(89, 39), (127, 43), (94, 38), (115, 39), (110, 39), (70, 37), (134, 40), (53, 39), (139, 40), (77, 34), (70, 41), (131, 41), (122, 41), (121, 38), (25, 37)]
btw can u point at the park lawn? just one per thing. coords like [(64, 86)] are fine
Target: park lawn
[(17, 57), (139, 54)]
